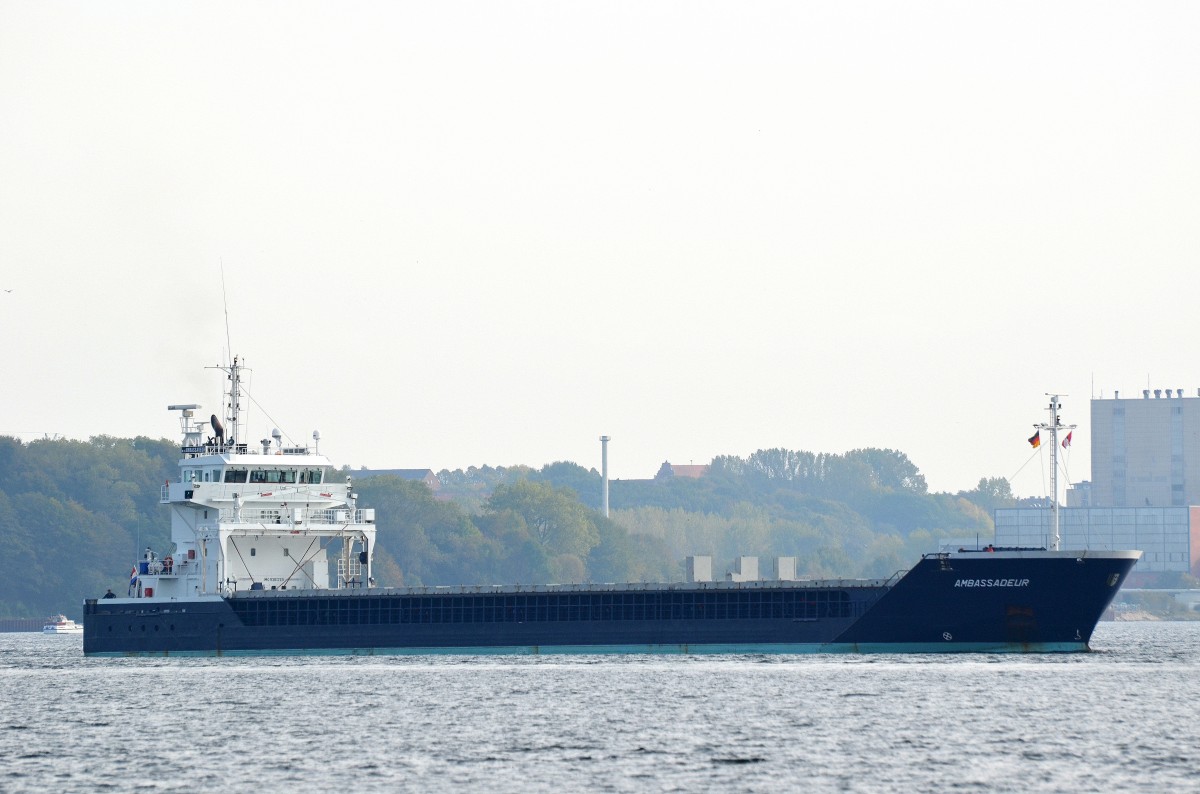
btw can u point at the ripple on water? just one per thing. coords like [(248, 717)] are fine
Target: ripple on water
[(1117, 718)]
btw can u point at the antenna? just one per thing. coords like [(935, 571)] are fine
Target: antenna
[(225, 301), (234, 371)]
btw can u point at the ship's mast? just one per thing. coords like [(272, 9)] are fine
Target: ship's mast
[(1054, 425), (233, 404), (235, 397)]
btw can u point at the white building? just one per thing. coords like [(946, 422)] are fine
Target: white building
[(1169, 537)]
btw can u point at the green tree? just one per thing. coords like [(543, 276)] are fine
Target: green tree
[(584, 482), (991, 493), (431, 541), (520, 558), (554, 516), (891, 469)]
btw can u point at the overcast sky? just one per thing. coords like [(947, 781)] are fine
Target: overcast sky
[(461, 233)]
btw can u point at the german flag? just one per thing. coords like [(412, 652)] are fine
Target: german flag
[(1035, 440)]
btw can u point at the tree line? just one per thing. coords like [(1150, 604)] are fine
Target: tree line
[(75, 514)]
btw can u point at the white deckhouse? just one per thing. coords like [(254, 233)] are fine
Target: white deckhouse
[(254, 517)]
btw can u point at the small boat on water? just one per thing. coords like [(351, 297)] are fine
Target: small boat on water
[(61, 624)]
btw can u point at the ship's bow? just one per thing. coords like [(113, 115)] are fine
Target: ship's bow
[(1017, 600)]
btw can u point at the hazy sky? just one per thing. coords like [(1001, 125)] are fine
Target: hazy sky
[(465, 233)]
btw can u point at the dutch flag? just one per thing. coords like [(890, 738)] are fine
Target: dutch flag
[(133, 577)]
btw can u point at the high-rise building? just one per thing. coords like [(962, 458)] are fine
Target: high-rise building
[(1146, 452)]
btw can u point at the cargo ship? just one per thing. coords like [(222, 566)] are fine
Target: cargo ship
[(270, 557)]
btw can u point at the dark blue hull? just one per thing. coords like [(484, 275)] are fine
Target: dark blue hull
[(1006, 601)]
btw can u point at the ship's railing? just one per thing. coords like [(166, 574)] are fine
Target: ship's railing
[(623, 587), (299, 516), (164, 567), (992, 548), (197, 450), (213, 449)]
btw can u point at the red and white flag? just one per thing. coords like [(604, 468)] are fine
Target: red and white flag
[(1067, 441)]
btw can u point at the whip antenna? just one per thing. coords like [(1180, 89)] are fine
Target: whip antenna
[(225, 302)]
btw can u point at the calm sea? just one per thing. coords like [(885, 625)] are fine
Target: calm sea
[(1121, 718)]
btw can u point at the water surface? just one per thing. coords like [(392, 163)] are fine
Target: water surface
[(1119, 718)]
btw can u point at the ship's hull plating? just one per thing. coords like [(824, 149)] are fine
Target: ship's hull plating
[(981, 602)]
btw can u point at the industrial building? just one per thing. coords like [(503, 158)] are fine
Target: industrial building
[(1146, 451), (1169, 537)]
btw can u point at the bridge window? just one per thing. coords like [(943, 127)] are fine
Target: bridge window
[(273, 476), (235, 475)]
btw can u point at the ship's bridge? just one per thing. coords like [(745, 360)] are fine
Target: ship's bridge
[(250, 475)]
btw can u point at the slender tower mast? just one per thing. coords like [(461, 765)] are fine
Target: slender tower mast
[(1054, 425), (604, 475)]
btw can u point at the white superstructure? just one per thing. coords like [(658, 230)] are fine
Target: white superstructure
[(254, 516)]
